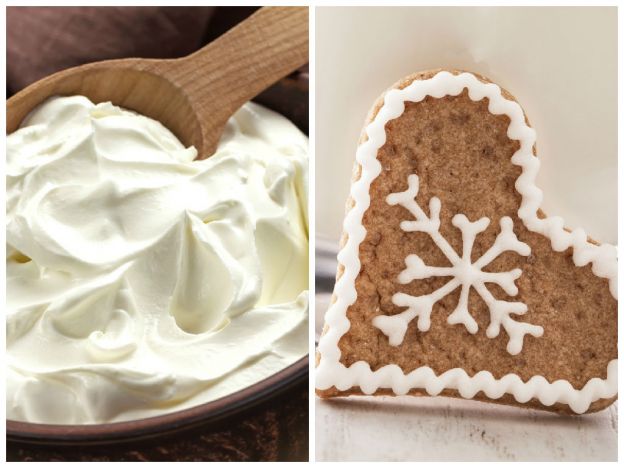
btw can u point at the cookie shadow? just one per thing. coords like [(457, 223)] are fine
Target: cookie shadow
[(446, 407)]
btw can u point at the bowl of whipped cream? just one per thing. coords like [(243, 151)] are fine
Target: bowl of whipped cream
[(148, 291)]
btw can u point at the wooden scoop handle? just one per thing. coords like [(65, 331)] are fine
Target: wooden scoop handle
[(222, 76)]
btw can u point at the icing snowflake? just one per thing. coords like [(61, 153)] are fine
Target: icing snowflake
[(463, 272)]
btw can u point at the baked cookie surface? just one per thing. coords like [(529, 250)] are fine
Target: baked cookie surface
[(451, 280)]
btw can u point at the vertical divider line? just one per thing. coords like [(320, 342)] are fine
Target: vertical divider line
[(312, 229)]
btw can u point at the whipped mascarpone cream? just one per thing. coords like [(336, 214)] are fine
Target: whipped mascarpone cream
[(140, 281)]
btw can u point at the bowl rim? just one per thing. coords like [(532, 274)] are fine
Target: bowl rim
[(155, 426)]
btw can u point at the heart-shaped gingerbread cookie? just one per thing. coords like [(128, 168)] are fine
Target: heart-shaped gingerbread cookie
[(452, 280)]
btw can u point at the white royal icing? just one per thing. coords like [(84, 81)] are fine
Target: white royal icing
[(465, 274), (331, 372)]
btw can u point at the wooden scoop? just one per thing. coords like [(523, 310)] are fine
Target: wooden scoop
[(193, 96)]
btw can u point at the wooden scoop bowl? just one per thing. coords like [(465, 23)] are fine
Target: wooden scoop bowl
[(193, 96)]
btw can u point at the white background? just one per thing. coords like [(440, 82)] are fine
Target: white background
[(561, 65)]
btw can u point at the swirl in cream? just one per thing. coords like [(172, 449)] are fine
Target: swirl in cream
[(140, 281)]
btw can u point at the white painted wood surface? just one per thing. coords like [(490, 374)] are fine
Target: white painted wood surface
[(449, 429)]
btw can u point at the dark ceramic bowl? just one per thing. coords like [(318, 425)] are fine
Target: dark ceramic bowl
[(157, 426), (290, 98)]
